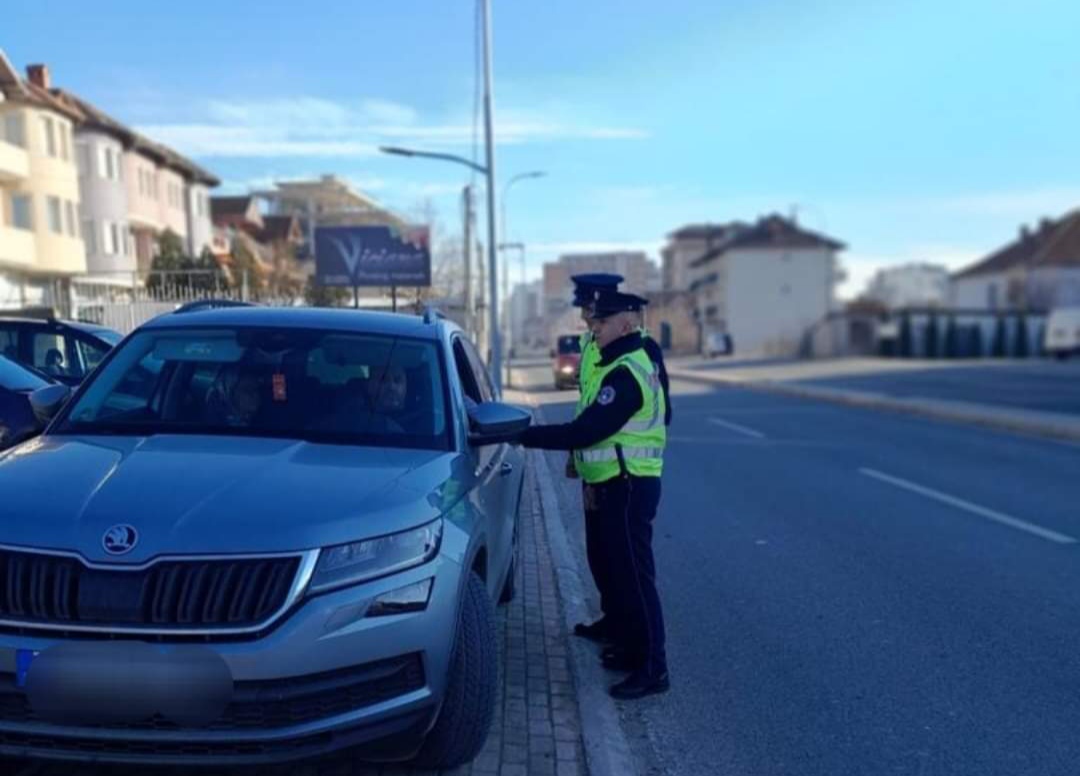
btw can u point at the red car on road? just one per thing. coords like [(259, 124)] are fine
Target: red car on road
[(566, 361)]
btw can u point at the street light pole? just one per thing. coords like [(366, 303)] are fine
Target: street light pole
[(488, 171), (489, 142)]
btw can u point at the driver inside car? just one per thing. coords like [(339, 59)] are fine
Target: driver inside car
[(236, 397), (373, 405)]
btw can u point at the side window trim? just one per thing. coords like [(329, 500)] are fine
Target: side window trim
[(468, 379)]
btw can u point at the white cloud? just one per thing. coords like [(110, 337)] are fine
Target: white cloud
[(316, 127)]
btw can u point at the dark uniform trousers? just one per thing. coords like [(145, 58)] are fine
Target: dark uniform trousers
[(596, 552), (621, 560)]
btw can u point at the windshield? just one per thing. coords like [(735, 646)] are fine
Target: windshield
[(314, 385), (15, 377), (569, 344)]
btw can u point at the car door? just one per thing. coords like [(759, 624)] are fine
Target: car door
[(503, 487)]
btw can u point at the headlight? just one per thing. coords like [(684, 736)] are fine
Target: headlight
[(567, 369), (349, 564)]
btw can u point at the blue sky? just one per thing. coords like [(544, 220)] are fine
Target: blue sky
[(910, 130)]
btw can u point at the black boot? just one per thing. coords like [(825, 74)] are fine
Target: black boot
[(640, 684), (599, 631)]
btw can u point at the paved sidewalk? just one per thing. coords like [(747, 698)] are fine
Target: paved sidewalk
[(788, 378), (537, 729)]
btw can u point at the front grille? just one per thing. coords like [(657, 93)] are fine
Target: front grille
[(272, 704), (220, 593)]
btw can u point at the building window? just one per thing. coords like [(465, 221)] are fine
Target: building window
[(88, 236), (107, 245), (82, 159), (56, 219), (22, 211), (69, 213), (48, 130), (14, 130), (65, 146)]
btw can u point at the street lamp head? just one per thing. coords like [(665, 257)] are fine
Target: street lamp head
[(397, 151)]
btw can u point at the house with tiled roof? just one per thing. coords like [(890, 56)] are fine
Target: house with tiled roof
[(41, 249), (1039, 270), (766, 284), (686, 244), (132, 189)]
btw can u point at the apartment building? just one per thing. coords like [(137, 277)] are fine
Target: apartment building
[(131, 189), (41, 248)]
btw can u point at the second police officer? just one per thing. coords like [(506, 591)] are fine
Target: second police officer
[(618, 439)]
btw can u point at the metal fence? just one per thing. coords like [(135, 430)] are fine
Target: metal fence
[(127, 309)]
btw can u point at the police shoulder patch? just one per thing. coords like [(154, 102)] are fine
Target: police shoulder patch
[(607, 395)]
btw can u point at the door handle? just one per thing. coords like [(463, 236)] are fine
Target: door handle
[(506, 468)]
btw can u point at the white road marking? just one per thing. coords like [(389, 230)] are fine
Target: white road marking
[(975, 509), (736, 427)]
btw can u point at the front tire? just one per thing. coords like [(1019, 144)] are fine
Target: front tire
[(469, 706)]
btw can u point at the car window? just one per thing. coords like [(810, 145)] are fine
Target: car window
[(90, 353), (570, 343), (312, 385), (466, 375), (480, 373), (9, 342), (50, 355)]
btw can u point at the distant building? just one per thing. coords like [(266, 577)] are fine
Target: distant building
[(641, 276), (326, 201), (670, 320), (1038, 270), (766, 284), (909, 285), (527, 331), (688, 244)]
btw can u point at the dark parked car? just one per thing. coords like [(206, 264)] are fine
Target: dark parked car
[(302, 519), (67, 351), (17, 382)]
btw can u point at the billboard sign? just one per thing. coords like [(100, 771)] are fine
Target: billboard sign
[(353, 256)]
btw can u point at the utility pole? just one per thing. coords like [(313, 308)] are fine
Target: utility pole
[(489, 143), (470, 310)]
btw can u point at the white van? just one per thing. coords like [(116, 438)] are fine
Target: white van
[(1063, 332)]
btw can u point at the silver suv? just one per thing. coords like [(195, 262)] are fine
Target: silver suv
[(256, 535)]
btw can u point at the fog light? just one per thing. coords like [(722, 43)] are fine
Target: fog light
[(411, 598)]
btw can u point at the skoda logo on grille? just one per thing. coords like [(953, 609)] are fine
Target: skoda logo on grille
[(120, 539)]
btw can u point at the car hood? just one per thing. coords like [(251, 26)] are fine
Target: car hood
[(197, 494)]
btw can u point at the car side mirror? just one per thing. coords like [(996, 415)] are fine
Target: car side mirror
[(46, 402), (493, 423)]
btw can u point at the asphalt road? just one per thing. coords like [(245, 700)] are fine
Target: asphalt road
[(1038, 384), (1044, 386), (851, 592)]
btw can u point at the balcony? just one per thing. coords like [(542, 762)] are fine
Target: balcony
[(17, 247), (14, 163)]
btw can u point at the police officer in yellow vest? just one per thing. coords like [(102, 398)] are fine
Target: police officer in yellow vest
[(587, 288), (618, 440)]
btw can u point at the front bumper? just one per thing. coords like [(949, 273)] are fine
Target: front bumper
[(327, 677)]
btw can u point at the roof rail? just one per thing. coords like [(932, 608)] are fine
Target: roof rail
[(209, 304), (431, 313)]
